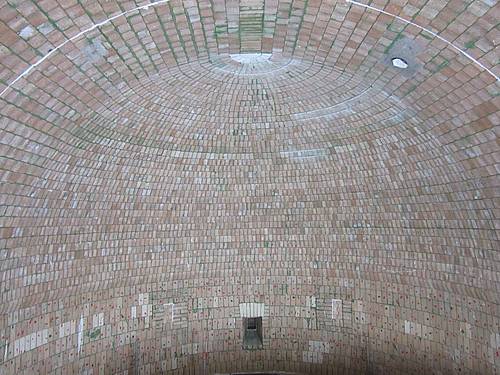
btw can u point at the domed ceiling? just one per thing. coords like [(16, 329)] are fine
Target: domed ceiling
[(212, 187)]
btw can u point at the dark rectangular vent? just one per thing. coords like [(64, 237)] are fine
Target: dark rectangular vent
[(252, 335)]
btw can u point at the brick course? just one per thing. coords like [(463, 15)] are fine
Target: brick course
[(184, 160)]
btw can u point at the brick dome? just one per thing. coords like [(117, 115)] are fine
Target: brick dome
[(213, 187)]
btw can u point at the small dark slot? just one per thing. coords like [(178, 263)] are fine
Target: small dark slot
[(252, 324), (252, 335)]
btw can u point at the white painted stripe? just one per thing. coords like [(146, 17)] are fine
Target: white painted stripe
[(93, 27), (80, 334), (159, 2), (428, 31), (172, 321)]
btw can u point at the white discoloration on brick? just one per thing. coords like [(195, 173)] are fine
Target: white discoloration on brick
[(478, 63), (146, 310), (94, 51), (67, 328), (98, 320), (251, 310), (497, 340), (337, 309), (407, 327), (413, 328), (80, 333), (251, 58), (45, 28), (27, 32), (301, 155), (26, 343), (143, 298), (311, 302), (78, 35), (239, 64)]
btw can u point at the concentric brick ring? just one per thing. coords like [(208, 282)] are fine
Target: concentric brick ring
[(185, 166), (284, 105)]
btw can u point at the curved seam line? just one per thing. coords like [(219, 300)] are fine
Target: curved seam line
[(290, 61), (159, 2), (427, 30), (304, 115), (93, 27)]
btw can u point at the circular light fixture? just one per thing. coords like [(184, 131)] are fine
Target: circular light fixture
[(399, 63)]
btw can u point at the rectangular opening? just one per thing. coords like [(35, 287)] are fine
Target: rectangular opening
[(252, 335), (252, 324)]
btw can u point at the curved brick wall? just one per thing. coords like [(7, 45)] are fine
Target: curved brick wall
[(193, 163)]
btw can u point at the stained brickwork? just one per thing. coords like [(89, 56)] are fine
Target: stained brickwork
[(192, 163)]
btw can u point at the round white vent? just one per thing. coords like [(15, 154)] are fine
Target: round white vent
[(399, 63)]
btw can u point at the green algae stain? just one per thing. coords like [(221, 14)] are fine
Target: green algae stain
[(95, 334), (470, 44)]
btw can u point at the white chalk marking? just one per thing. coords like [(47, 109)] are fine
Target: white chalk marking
[(428, 31), (93, 27), (159, 2)]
